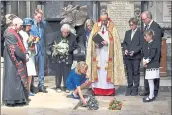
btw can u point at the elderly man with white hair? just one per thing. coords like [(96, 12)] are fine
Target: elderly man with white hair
[(62, 48), (15, 74)]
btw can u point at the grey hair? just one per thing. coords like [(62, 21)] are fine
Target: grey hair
[(88, 21), (148, 14), (17, 21), (103, 12), (65, 26)]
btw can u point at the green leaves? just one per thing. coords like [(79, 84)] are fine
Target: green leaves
[(115, 104)]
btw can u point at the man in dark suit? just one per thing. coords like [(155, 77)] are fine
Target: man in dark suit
[(149, 23), (132, 45), (62, 63)]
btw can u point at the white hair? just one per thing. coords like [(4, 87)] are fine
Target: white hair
[(17, 21), (65, 26)]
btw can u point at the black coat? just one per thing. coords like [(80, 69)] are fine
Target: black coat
[(72, 46), (158, 35), (150, 50), (13, 89), (133, 45)]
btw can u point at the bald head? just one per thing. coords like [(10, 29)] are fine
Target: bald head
[(146, 17), (17, 23)]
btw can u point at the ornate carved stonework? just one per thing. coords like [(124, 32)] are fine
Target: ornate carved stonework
[(74, 15)]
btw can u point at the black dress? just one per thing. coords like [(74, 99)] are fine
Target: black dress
[(14, 91)]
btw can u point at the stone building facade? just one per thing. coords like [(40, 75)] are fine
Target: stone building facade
[(160, 10)]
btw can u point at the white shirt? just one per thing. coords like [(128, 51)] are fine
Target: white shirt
[(132, 33)]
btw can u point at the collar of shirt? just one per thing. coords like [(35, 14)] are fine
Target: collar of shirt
[(150, 41), (149, 24), (35, 22), (134, 30)]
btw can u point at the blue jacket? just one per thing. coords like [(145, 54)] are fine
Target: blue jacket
[(41, 34)]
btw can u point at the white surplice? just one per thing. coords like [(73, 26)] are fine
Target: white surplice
[(103, 56)]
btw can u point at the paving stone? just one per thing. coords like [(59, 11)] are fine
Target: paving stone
[(134, 112)]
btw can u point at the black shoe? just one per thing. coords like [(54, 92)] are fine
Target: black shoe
[(147, 99), (144, 94), (128, 93), (134, 92), (42, 89), (33, 89)]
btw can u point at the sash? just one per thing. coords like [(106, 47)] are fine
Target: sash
[(20, 66)]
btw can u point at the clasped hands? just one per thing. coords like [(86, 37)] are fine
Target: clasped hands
[(129, 53), (144, 63)]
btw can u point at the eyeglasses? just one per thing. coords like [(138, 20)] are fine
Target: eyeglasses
[(145, 18), (131, 24)]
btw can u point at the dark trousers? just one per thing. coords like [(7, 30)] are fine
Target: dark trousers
[(156, 85), (133, 73), (61, 69)]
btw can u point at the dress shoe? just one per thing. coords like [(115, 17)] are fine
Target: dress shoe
[(147, 99), (67, 91), (134, 92), (144, 94), (31, 94), (33, 89), (128, 93), (58, 90), (42, 89)]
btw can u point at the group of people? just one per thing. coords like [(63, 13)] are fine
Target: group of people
[(102, 69), (21, 54)]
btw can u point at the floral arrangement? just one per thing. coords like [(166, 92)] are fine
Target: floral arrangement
[(61, 48), (31, 43), (115, 105)]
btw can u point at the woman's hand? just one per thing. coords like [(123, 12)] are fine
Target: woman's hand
[(32, 48), (84, 102)]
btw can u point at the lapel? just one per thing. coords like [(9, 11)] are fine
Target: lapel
[(134, 36), (38, 31), (129, 36)]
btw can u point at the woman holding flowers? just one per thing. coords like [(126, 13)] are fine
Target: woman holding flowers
[(62, 48), (29, 43)]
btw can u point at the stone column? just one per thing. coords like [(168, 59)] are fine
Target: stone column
[(22, 9), (8, 7), (28, 11), (33, 6), (14, 7), (95, 11)]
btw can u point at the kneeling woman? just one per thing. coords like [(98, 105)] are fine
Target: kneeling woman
[(151, 62), (31, 70), (77, 80)]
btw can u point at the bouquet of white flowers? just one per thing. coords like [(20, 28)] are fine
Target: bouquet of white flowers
[(61, 48)]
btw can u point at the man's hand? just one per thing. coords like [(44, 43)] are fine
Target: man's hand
[(131, 53), (126, 52), (97, 46), (105, 43)]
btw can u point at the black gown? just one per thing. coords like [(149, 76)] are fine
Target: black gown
[(14, 91)]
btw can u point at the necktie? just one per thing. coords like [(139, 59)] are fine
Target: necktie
[(38, 26), (146, 27)]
